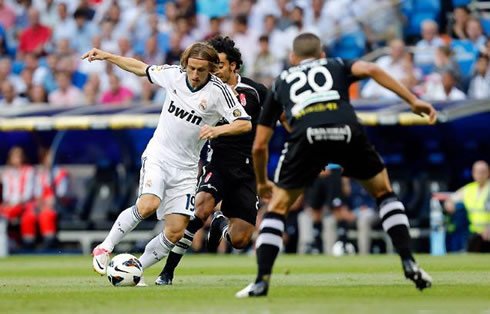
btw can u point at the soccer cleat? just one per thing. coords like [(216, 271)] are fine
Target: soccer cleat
[(164, 279), (215, 233), (100, 260), (258, 289), (416, 274)]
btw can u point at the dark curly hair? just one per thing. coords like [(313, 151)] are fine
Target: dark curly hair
[(226, 45)]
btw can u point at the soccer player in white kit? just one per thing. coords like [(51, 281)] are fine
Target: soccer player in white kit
[(196, 101)]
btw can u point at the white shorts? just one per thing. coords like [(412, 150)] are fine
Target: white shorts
[(175, 187)]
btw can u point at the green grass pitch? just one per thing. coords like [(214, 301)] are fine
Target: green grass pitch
[(207, 284)]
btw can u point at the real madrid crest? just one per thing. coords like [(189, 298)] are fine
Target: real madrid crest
[(236, 113), (157, 68), (203, 105)]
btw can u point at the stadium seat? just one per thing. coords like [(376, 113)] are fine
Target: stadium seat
[(465, 54), (160, 10), (416, 11), (11, 50), (17, 67), (426, 68), (415, 22), (459, 3), (485, 24), (164, 42), (79, 79), (427, 5), (349, 46)]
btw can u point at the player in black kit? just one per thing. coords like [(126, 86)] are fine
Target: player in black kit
[(229, 175), (324, 129)]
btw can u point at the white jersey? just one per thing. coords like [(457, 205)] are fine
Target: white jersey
[(185, 112)]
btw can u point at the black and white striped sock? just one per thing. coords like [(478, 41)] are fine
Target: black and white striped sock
[(268, 244), (182, 245), (395, 223)]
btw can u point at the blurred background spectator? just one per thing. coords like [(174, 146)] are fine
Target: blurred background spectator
[(157, 31), (18, 196), (10, 98), (426, 47), (51, 186), (445, 87), (35, 37), (66, 94), (475, 198), (117, 94), (480, 82), (7, 16), (394, 63), (266, 66), (461, 15)]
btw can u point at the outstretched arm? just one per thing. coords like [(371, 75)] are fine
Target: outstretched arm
[(368, 69), (128, 64)]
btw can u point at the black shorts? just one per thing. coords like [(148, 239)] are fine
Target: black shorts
[(324, 190), (235, 187), (304, 156)]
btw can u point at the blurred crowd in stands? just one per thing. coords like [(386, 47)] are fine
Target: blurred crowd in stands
[(438, 49)]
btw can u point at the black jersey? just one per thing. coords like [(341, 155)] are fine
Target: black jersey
[(312, 93), (237, 149)]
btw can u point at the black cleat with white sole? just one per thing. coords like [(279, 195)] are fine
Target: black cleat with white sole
[(215, 232), (258, 289), (416, 274), (164, 279)]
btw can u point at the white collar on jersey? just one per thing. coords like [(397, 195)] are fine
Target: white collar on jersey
[(306, 60)]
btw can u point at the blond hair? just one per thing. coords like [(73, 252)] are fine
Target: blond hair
[(201, 51)]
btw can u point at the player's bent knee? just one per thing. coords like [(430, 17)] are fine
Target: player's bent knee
[(240, 242), (240, 233), (205, 204), (148, 205), (174, 235), (281, 210), (279, 206), (381, 191)]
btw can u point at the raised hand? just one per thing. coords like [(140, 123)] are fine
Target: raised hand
[(95, 54)]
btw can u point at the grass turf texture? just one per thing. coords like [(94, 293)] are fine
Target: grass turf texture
[(207, 284)]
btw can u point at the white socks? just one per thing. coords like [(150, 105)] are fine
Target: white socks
[(155, 250), (127, 220)]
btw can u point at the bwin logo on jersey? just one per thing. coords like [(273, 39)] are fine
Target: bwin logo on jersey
[(184, 115)]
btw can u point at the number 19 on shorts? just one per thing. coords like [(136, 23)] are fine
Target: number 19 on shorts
[(191, 202)]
